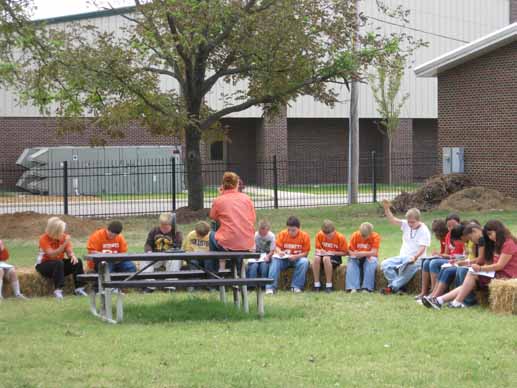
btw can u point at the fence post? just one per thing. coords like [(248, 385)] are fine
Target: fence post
[(173, 184), (275, 181), (65, 187), (374, 177)]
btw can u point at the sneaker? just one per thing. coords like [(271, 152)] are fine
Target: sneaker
[(418, 297), (387, 291), (296, 290), (353, 291), (456, 305), (21, 297), (58, 294), (80, 292), (328, 290), (148, 290), (431, 302), (316, 289), (270, 291)]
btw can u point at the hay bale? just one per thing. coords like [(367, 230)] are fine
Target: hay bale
[(413, 287), (32, 284), (503, 296), (338, 279)]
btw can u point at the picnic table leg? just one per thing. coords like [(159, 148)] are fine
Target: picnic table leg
[(260, 302), (236, 293), (120, 306), (222, 294), (102, 311), (93, 302), (244, 290), (105, 273)]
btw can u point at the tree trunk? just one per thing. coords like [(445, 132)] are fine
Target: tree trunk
[(390, 178), (194, 171)]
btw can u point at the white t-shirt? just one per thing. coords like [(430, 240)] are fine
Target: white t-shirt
[(413, 239)]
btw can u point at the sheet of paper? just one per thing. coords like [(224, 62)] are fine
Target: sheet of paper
[(259, 260), (285, 257), (4, 265), (490, 274)]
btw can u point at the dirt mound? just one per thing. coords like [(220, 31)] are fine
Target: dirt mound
[(186, 216), (478, 199), (31, 225), (432, 193)]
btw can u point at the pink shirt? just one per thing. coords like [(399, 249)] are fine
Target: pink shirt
[(236, 216), (510, 269)]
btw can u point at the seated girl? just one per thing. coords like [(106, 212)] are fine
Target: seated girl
[(8, 273)]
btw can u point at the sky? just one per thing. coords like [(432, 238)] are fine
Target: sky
[(53, 8)]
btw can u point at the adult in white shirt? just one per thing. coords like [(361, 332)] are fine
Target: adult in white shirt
[(415, 240)]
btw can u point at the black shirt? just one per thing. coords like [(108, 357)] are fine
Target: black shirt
[(157, 241)]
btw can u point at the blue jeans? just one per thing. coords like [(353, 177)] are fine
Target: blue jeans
[(123, 266), (395, 280), (447, 275), (436, 265), (255, 269), (353, 273), (461, 274), (300, 271)]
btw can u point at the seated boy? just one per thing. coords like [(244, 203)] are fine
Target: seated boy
[(198, 241), (8, 272), (292, 247), (162, 238), (265, 245), (330, 246), (363, 252), (109, 240)]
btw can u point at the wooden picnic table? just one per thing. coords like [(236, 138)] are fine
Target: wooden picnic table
[(106, 284)]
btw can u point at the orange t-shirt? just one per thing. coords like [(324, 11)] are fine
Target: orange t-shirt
[(46, 242), (4, 254), (336, 244), (360, 244), (293, 245), (99, 242), (236, 216)]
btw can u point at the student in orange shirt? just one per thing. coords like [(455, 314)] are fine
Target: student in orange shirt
[(8, 272), (292, 247), (363, 252), (330, 246), (51, 262), (110, 240)]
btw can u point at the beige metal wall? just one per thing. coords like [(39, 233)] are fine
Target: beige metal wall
[(463, 20)]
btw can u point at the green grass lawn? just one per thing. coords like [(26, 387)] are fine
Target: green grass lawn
[(327, 189), (308, 340)]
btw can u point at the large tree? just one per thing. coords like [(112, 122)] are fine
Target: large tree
[(270, 51)]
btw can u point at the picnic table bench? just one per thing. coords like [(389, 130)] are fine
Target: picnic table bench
[(109, 284)]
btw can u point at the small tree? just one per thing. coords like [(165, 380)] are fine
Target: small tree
[(386, 86), (269, 51)]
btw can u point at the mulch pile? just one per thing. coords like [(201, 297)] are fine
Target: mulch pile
[(478, 199), (432, 193), (30, 225)]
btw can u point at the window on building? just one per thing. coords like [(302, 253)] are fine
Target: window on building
[(216, 150)]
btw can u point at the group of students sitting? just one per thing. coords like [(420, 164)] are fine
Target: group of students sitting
[(470, 255)]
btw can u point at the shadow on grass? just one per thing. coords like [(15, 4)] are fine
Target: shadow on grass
[(195, 308)]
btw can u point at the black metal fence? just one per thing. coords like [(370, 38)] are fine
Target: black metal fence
[(153, 186)]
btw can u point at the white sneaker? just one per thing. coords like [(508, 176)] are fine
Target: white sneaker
[(21, 297), (353, 291), (58, 294), (270, 291), (296, 290), (80, 292)]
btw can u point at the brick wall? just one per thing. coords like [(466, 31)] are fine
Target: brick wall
[(477, 110), (241, 151), (425, 141), (271, 139)]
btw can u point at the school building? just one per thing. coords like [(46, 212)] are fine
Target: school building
[(306, 130), (477, 106)]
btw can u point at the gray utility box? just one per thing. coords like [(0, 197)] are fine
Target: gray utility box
[(453, 160), (102, 170)]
